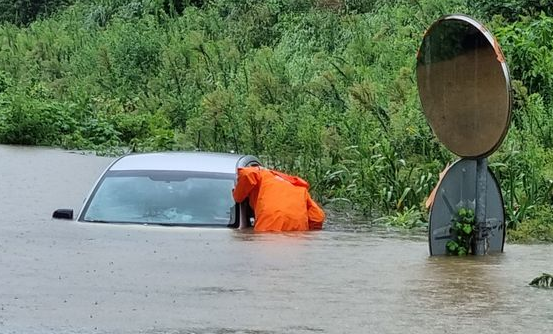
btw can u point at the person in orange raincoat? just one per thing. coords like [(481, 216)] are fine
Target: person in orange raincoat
[(280, 202)]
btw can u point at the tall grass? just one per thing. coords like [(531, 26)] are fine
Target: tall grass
[(325, 89)]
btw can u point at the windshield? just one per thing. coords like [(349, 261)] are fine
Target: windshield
[(162, 197)]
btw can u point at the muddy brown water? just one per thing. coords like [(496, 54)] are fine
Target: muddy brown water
[(65, 277)]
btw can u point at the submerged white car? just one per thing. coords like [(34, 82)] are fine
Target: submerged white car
[(171, 188)]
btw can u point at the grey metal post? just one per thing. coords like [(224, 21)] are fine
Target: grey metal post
[(481, 242)]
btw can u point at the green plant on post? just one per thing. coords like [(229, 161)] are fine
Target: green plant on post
[(462, 229)]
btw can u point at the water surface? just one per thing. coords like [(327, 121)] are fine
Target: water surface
[(65, 277)]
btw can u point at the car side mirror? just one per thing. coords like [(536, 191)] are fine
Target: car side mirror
[(63, 214)]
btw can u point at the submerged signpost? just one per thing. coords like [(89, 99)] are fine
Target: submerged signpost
[(465, 92)]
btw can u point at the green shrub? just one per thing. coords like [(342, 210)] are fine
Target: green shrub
[(324, 89), (527, 45), (463, 229), (537, 228), (512, 10), (30, 121), (23, 12)]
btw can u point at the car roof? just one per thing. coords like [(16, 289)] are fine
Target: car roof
[(184, 161)]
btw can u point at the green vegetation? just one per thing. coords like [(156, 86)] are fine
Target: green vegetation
[(322, 88), (535, 229), (462, 229), (543, 281), (22, 12)]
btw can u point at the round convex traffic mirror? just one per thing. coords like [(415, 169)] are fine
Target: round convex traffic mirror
[(464, 86)]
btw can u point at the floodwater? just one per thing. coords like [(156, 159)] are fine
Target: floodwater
[(65, 277)]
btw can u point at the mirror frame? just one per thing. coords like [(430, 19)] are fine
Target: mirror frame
[(63, 214), (504, 68)]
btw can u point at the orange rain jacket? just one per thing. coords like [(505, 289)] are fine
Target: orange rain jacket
[(281, 202)]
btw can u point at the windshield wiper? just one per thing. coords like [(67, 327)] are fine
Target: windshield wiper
[(98, 221), (156, 223)]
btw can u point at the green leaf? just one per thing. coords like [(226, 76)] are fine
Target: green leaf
[(452, 245)]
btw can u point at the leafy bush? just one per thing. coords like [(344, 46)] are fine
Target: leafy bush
[(463, 230), (23, 12), (512, 10), (527, 45), (325, 89), (538, 228), (30, 121)]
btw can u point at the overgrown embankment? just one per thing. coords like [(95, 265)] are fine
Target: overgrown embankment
[(323, 88)]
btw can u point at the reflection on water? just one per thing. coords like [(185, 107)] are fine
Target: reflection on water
[(68, 277)]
